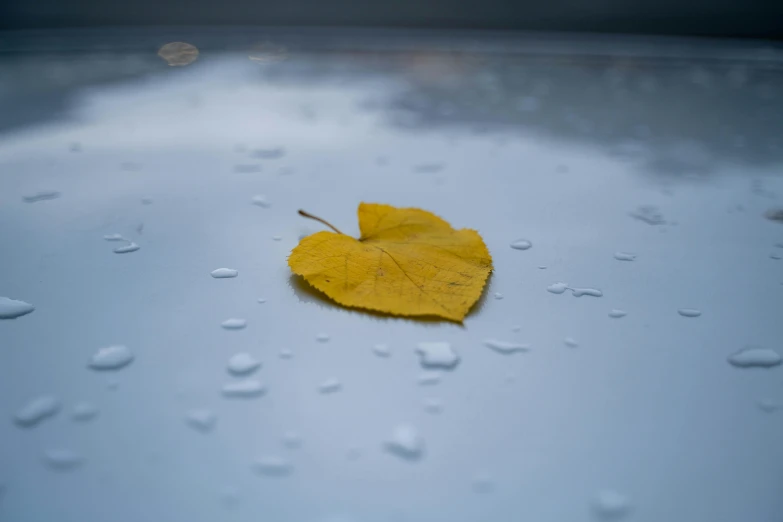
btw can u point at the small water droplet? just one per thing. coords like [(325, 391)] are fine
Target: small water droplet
[(617, 314), (277, 238), (648, 214), (229, 497), (768, 405), (247, 168), (611, 505), (261, 201), (521, 244), (483, 483), (381, 350), (285, 353), (114, 237), (261, 300), (234, 323), (322, 338), (433, 405), (542, 267), (592, 292), (36, 410), (689, 312), (516, 328), (570, 342), (111, 358), (275, 153), (201, 420), (224, 273), (437, 355), (506, 348), (44, 195), (127, 249), (557, 288), (272, 466), (11, 308), (330, 386), (405, 442), (428, 378), (428, 168), (146, 201), (292, 440), (243, 363), (755, 358), (624, 256), (84, 411), (498, 295), (246, 389), (62, 459)]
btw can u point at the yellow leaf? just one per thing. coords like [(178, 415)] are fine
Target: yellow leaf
[(407, 262)]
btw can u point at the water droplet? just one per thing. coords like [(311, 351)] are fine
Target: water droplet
[(201, 420), (84, 411), (224, 273), (330, 386), (433, 405), (521, 244), (506, 348), (285, 353), (483, 483), (43, 195), (36, 410), (114, 237), (648, 214), (689, 312), (592, 292), (261, 201), (112, 383), (11, 308), (428, 378), (428, 168), (146, 201), (437, 355), (292, 440), (275, 153), (234, 323), (272, 466), (111, 358), (246, 389), (322, 338), (261, 300), (381, 350), (243, 363), (774, 214), (755, 358), (62, 459), (776, 257), (516, 328), (229, 497), (617, 314), (247, 168), (570, 342), (768, 405), (624, 256), (498, 295), (405, 442), (178, 53), (611, 505), (277, 238), (778, 245), (557, 288), (127, 249)]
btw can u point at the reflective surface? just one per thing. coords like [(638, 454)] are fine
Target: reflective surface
[(643, 174)]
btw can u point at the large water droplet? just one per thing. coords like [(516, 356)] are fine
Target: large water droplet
[(261, 201), (437, 355), (689, 312), (755, 358), (624, 256), (111, 358), (505, 347), (62, 459), (592, 292), (201, 420), (611, 505), (11, 308), (43, 195), (272, 466), (224, 273), (433, 405), (381, 350), (617, 314), (322, 338), (36, 410), (234, 323), (246, 389), (127, 249), (521, 244), (428, 378), (243, 363), (84, 411), (330, 386), (557, 288), (405, 442)]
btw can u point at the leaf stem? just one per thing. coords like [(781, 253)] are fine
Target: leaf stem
[(308, 215)]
